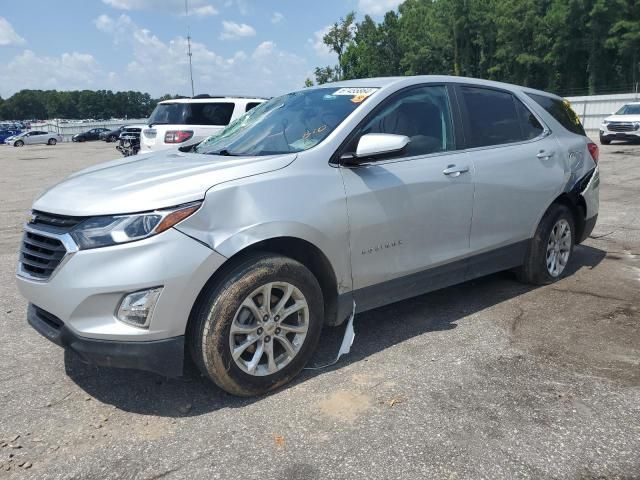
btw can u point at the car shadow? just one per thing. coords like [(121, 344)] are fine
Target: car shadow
[(376, 330)]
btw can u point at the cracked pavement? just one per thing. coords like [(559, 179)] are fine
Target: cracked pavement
[(489, 379)]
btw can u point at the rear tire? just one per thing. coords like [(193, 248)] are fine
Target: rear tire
[(551, 248), (231, 316)]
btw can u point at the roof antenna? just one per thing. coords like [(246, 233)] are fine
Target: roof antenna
[(186, 13)]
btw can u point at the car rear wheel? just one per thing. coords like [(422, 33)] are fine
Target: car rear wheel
[(52, 141), (19, 143), (254, 330), (550, 249)]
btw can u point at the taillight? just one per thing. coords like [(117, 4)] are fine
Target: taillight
[(594, 151), (177, 136)]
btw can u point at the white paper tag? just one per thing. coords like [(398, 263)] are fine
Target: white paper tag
[(355, 91)]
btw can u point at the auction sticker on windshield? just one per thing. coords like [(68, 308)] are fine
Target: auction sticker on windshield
[(355, 91)]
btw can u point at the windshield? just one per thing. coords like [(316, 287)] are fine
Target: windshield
[(287, 124), (632, 109), (200, 113)]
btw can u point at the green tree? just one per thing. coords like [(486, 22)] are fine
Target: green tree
[(339, 36), (326, 75)]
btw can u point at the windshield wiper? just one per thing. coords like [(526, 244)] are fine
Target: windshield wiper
[(224, 153)]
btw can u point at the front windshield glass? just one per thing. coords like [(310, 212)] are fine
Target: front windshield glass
[(287, 124), (633, 109)]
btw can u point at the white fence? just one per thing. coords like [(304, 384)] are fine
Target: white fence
[(593, 109), (68, 130)]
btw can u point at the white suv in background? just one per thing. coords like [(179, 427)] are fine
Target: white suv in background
[(622, 125), (187, 121)]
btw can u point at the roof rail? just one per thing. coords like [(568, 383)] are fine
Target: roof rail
[(205, 95)]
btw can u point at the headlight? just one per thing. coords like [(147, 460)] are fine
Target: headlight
[(606, 122), (636, 125), (115, 229)]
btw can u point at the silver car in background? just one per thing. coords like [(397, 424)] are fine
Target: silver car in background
[(34, 137), (345, 196)]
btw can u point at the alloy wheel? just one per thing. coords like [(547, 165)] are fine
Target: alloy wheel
[(558, 248), (269, 328)]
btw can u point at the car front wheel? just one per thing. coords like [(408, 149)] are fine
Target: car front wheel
[(52, 141), (256, 328), (19, 143)]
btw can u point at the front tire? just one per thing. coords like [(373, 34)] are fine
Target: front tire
[(604, 141), (256, 328), (52, 141), (19, 143), (550, 249)]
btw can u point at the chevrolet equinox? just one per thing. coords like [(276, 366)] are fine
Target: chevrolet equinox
[(344, 196)]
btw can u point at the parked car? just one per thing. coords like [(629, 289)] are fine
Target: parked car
[(5, 134), (187, 121), (112, 135), (316, 204), (89, 135), (622, 125), (34, 137)]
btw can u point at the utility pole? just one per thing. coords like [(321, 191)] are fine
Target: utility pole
[(186, 12)]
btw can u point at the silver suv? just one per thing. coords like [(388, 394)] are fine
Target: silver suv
[(362, 193)]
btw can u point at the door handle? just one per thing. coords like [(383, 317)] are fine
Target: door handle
[(542, 155), (454, 171)]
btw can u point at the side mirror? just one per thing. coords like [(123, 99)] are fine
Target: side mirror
[(377, 145)]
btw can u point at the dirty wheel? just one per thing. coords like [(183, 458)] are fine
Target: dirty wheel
[(551, 248), (256, 329)]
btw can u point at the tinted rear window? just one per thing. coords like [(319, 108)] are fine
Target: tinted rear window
[(495, 117), (192, 113), (251, 105), (560, 110)]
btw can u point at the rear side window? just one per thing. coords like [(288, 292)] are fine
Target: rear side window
[(251, 105), (496, 117), (561, 111), (217, 113)]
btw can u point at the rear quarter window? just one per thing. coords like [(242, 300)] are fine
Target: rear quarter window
[(561, 111), (251, 105)]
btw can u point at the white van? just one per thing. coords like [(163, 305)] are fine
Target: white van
[(186, 121)]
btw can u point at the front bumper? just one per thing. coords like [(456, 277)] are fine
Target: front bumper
[(165, 357), (86, 290), (606, 134)]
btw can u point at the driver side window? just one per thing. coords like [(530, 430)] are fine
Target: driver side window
[(422, 114)]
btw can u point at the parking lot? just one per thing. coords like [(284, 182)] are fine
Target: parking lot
[(489, 379)]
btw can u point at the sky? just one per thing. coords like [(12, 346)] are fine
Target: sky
[(241, 47)]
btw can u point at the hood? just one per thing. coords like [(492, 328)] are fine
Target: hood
[(149, 182), (623, 118)]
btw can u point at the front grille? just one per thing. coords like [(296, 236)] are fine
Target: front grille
[(40, 255), (621, 127), (63, 222)]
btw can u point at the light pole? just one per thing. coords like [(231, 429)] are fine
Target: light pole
[(189, 54)]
